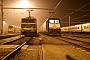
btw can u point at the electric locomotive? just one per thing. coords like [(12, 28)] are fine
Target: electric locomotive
[(53, 26), (29, 26)]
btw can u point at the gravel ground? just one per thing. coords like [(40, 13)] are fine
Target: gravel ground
[(5, 51)]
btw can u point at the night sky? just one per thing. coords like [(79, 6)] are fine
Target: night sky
[(78, 10)]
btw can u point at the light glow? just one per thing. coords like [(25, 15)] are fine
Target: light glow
[(4, 22), (24, 4)]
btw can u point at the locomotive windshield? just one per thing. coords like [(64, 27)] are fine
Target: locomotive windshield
[(53, 21), (28, 25), (28, 20), (10, 27), (56, 21)]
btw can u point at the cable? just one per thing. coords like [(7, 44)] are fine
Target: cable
[(79, 4), (75, 10), (57, 5), (55, 8), (81, 16), (79, 10)]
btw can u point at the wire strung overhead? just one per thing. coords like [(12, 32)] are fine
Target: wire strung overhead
[(57, 5), (81, 16), (76, 10), (55, 8)]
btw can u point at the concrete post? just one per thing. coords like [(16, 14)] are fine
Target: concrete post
[(1, 17)]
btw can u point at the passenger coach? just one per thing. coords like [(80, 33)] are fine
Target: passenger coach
[(80, 28)]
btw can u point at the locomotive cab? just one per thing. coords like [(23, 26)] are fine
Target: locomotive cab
[(53, 26)]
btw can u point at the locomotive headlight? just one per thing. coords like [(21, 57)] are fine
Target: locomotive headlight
[(22, 35)]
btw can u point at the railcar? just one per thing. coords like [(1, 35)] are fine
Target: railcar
[(12, 29), (80, 28), (65, 29), (76, 28), (51, 26), (86, 27), (29, 26)]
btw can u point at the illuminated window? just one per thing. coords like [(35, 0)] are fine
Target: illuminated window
[(51, 21), (56, 21)]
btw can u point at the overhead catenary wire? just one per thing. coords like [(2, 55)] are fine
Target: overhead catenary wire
[(81, 16), (75, 11), (73, 8), (77, 5), (82, 11), (55, 7)]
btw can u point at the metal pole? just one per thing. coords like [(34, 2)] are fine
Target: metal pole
[(69, 20), (69, 25), (29, 13)]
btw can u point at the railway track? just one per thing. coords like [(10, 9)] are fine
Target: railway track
[(77, 39), (6, 36), (19, 41), (33, 52), (82, 36), (15, 51), (10, 40), (82, 44), (85, 36)]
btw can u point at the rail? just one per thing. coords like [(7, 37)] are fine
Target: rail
[(74, 43), (13, 40), (6, 36), (13, 53)]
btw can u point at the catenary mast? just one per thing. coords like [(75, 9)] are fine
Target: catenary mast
[(1, 17)]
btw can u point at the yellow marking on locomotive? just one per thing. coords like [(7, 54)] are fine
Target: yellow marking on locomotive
[(40, 38), (33, 29), (26, 28)]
